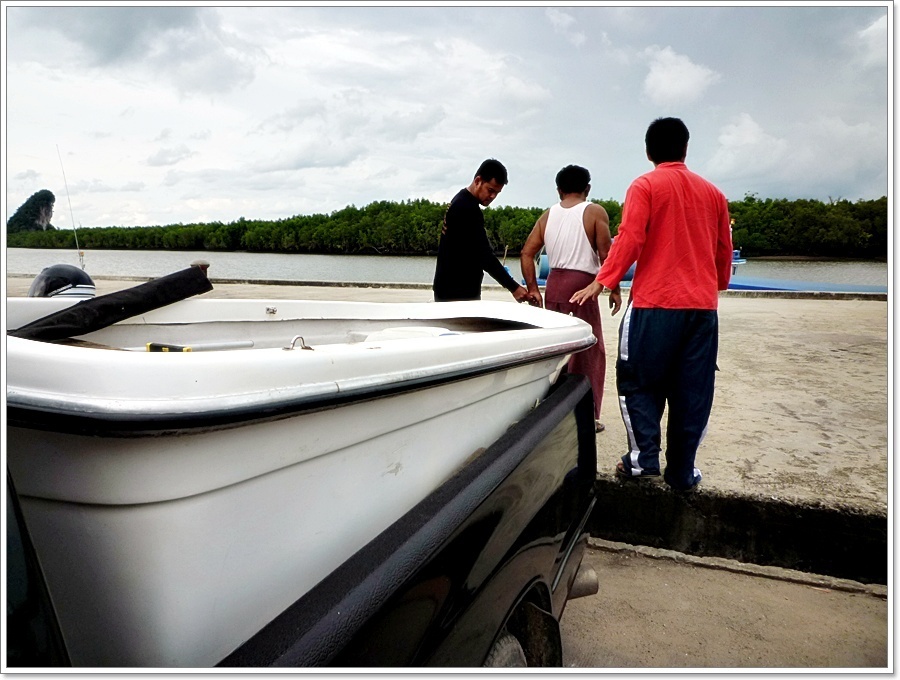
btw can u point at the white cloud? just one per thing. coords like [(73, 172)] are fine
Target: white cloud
[(674, 79), (185, 45), (407, 126), (111, 35), (313, 152), (170, 156), (27, 176), (294, 116), (746, 150), (483, 76), (856, 156), (386, 91), (96, 186), (562, 24), (791, 165), (560, 20), (219, 111), (871, 43)]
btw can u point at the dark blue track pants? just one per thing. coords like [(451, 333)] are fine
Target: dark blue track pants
[(666, 356)]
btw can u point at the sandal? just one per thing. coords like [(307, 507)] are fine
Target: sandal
[(622, 473), (598, 426)]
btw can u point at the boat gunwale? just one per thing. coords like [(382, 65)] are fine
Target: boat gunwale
[(57, 415)]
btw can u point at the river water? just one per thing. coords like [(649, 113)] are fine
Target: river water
[(368, 268)]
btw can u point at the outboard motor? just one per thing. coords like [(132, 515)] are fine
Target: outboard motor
[(62, 280)]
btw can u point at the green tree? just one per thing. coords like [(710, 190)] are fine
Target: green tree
[(413, 227), (614, 210)]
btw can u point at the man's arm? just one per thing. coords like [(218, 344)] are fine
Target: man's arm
[(599, 221), (625, 251), (631, 237), (724, 247), (497, 271), (532, 247), (597, 229)]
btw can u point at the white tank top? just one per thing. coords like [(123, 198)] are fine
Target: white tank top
[(567, 244)]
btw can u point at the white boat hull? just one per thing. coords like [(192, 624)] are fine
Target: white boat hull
[(169, 534)]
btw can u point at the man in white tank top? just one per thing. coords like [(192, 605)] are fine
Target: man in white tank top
[(575, 233)]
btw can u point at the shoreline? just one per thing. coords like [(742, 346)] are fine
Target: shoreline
[(19, 289), (500, 256)]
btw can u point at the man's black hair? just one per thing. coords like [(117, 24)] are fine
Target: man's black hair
[(492, 169), (573, 179), (666, 140)]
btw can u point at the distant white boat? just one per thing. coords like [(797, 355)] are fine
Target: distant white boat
[(188, 472)]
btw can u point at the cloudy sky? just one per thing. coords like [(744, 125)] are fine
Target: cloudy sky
[(160, 114)]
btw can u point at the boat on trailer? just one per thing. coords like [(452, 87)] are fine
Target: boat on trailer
[(187, 469)]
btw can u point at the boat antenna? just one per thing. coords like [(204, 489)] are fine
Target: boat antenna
[(71, 214)]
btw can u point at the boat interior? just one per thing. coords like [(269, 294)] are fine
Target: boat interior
[(285, 333)]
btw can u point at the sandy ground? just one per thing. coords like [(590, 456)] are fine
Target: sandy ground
[(801, 405), (660, 613)]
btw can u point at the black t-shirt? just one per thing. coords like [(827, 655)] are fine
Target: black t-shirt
[(465, 253)]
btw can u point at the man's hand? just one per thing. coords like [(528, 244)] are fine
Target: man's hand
[(589, 293), (535, 299), (521, 294), (615, 299)]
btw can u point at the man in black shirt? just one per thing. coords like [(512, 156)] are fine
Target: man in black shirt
[(465, 253)]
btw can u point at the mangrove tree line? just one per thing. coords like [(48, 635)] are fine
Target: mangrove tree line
[(761, 227)]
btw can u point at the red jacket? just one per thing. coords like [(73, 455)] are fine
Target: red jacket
[(675, 225)]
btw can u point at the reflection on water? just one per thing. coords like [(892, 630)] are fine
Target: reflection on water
[(857, 273), (368, 268)]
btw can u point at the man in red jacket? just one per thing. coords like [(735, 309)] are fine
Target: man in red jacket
[(675, 225)]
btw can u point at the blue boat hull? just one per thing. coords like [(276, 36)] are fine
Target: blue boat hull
[(752, 283), (747, 282)]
